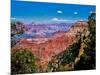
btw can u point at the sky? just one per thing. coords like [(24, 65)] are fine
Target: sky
[(41, 12)]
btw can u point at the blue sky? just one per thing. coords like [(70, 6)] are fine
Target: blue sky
[(49, 12)]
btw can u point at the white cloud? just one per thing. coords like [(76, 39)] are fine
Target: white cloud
[(58, 20), (75, 13), (59, 11), (81, 20), (55, 19)]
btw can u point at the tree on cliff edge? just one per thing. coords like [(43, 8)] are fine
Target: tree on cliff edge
[(87, 60), (22, 61)]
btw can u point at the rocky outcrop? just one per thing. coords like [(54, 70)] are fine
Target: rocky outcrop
[(45, 48)]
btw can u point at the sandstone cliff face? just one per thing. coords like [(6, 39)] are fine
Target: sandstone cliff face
[(45, 48)]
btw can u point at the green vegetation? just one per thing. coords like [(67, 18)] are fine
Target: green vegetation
[(22, 61), (71, 53), (65, 60), (87, 60), (15, 30), (80, 55)]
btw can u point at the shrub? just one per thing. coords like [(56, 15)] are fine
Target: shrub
[(22, 61)]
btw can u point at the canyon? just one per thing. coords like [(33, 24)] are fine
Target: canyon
[(45, 48)]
